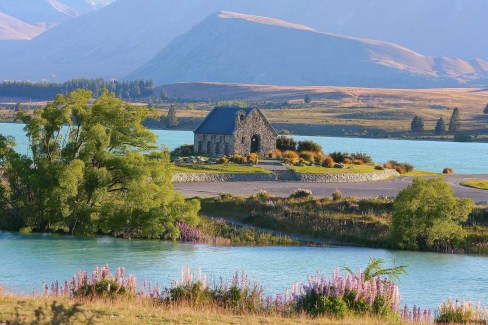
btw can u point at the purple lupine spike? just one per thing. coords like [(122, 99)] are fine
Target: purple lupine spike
[(46, 288)]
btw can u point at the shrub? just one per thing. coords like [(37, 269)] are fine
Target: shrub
[(459, 312), (101, 284), (328, 162), (286, 143), (354, 293), (183, 151), (447, 171), (301, 193), (379, 167), (408, 167), (252, 158), (290, 155), (225, 196), (339, 156), (274, 154), (223, 160), (291, 161), (263, 195), (308, 157), (405, 167), (363, 157), (358, 162), (400, 170), (308, 145), (347, 161), (336, 195)]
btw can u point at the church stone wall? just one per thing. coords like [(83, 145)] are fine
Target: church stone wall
[(214, 144), (254, 125)]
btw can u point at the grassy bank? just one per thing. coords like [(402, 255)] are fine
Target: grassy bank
[(364, 222), (476, 183), (217, 231), (112, 298), (120, 312)]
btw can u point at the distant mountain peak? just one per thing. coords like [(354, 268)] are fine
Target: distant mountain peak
[(14, 29), (262, 20)]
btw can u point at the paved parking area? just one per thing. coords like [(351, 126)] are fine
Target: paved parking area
[(362, 189)]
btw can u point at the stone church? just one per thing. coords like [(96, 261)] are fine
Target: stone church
[(230, 130)]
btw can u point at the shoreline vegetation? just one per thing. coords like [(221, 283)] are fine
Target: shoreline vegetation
[(106, 177), (369, 297)]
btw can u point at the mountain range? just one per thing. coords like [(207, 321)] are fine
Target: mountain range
[(395, 43), (236, 48), (25, 19)]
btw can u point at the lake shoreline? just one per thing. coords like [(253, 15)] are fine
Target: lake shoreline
[(423, 139)]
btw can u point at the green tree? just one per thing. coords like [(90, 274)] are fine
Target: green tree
[(163, 95), (486, 109), (307, 99), (91, 169), (417, 124), (172, 118), (426, 214), (286, 143), (440, 127), (455, 122), (308, 145), (17, 107)]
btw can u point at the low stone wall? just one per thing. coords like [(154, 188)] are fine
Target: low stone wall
[(222, 177), (347, 177), (306, 178)]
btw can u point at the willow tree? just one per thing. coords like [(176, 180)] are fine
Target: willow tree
[(426, 214), (93, 168)]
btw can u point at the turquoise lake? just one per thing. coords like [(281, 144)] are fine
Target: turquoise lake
[(26, 260), (464, 158)]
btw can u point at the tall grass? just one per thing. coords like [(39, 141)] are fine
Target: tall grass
[(343, 295)]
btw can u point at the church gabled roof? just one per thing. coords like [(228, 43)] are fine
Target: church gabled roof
[(221, 120)]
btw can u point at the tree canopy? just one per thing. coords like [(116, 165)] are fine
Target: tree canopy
[(136, 89), (92, 169), (455, 122), (171, 117), (417, 124), (426, 214), (285, 143), (440, 127)]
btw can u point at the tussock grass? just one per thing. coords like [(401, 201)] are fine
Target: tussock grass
[(143, 312)]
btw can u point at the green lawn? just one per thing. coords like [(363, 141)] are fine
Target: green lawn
[(323, 170), (218, 168), (481, 184)]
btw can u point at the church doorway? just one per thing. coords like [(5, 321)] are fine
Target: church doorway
[(255, 144)]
